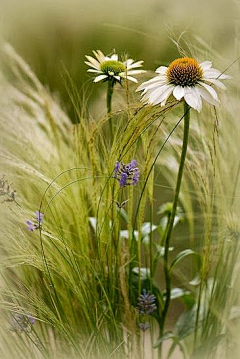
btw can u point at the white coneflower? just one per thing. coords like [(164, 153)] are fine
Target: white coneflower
[(111, 68), (186, 79)]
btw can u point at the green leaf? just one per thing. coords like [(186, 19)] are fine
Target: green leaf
[(166, 336), (186, 323), (123, 214), (188, 300), (180, 256)]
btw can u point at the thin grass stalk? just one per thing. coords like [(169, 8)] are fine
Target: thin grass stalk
[(109, 107)]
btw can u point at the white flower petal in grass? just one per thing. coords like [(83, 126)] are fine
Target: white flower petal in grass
[(131, 78), (178, 92), (96, 71), (100, 78), (206, 65), (206, 96), (192, 98), (155, 82), (114, 57), (210, 89), (133, 65), (186, 79), (111, 68), (93, 62), (161, 70), (156, 95), (164, 97), (99, 56), (216, 83)]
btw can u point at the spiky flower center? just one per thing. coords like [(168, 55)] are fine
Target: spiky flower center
[(112, 67), (184, 72)]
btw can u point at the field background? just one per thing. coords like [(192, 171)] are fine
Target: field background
[(53, 36)]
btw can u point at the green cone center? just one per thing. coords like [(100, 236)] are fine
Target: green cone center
[(112, 67)]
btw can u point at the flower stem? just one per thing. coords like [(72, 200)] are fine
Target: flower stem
[(172, 217), (109, 105)]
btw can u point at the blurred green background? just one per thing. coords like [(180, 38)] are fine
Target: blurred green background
[(56, 35)]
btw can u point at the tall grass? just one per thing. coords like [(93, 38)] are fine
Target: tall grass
[(80, 274)]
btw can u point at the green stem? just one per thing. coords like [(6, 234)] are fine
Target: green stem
[(109, 105), (172, 217)]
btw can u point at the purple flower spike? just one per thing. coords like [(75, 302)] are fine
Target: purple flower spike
[(21, 323), (30, 226), (146, 303), (126, 174), (39, 216), (123, 180), (132, 164), (136, 176), (116, 169)]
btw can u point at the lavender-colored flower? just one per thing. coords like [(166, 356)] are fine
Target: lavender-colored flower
[(126, 174), (32, 321), (39, 216), (146, 303), (21, 323), (31, 226)]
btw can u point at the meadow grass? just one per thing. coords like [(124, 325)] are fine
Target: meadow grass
[(81, 273)]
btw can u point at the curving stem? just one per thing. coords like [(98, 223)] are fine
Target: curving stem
[(172, 217)]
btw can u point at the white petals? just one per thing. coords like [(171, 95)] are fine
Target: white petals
[(224, 77), (99, 78), (99, 56), (158, 89), (135, 72), (206, 96), (161, 70), (111, 71), (217, 83), (210, 90), (132, 79), (178, 92), (160, 95), (206, 65), (92, 62), (96, 71), (133, 65), (114, 57), (166, 95), (193, 98), (155, 82)]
